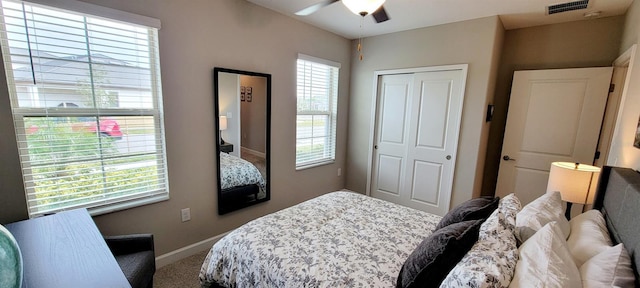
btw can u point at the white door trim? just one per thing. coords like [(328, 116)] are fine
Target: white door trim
[(627, 58), (613, 105), (374, 107)]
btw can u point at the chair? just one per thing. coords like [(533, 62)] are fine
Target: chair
[(136, 257)]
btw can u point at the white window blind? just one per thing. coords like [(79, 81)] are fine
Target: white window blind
[(317, 96), (87, 107)]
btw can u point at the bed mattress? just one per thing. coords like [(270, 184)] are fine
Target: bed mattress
[(340, 239), (235, 172)]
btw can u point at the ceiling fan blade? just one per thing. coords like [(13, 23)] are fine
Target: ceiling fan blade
[(315, 7), (380, 15)]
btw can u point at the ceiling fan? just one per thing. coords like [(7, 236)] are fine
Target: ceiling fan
[(359, 7)]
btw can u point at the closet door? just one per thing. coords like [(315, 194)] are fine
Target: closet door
[(416, 140)]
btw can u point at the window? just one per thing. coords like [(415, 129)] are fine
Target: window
[(317, 103), (87, 106)]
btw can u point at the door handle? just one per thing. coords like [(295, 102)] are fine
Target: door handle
[(507, 158)]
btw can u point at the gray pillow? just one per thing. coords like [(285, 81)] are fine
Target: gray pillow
[(432, 260), (474, 209)]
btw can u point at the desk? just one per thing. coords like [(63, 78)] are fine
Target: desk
[(66, 250)]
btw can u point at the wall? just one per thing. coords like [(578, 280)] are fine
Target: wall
[(13, 205), (253, 114), (194, 38), (631, 31), (569, 45), (622, 152), (476, 42), (228, 94)]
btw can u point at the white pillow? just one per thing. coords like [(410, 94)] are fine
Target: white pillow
[(610, 268), (589, 236), (539, 212), (491, 261), (545, 261)]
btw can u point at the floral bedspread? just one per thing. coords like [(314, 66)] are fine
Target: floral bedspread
[(235, 171), (340, 239)]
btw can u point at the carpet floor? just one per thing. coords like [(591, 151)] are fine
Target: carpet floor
[(257, 161), (183, 273)]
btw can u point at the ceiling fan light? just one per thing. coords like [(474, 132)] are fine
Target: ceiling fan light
[(363, 7)]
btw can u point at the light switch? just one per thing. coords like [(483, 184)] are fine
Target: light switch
[(229, 115), (186, 214)]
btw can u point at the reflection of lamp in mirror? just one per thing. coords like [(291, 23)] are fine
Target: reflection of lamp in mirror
[(223, 126), (576, 183)]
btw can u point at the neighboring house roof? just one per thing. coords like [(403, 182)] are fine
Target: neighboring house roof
[(74, 69)]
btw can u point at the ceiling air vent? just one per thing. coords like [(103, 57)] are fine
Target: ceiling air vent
[(569, 6)]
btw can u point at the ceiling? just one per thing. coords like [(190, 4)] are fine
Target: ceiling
[(411, 14)]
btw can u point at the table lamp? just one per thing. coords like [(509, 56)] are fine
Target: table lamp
[(223, 126), (576, 183)]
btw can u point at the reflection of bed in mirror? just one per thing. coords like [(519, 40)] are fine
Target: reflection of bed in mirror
[(240, 180)]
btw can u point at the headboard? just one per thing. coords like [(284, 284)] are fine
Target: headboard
[(618, 198)]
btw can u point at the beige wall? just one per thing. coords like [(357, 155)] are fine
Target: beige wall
[(13, 205), (194, 38), (622, 152), (229, 102), (631, 29), (569, 45), (253, 114), (476, 42)]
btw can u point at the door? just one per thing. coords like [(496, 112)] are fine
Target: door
[(416, 139), (554, 115)]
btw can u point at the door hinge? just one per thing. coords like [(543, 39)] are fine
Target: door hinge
[(612, 87), (597, 156)]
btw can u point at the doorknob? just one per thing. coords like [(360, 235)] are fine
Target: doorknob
[(375, 146), (507, 158), (448, 157)]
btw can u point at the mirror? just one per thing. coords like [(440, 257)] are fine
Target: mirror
[(242, 101)]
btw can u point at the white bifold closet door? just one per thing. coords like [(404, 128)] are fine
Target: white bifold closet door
[(416, 138)]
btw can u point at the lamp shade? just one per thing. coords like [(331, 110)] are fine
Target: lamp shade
[(363, 7), (576, 182), (223, 122)]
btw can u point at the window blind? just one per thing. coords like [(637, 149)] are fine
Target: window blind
[(87, 107), (317, 95)]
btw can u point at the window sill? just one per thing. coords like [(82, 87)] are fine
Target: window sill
[(127, 205), (314, 164)]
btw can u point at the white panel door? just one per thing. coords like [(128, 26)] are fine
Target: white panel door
[(415, 157), (554, 115), (391, 135)]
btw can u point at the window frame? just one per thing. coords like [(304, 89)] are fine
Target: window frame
[(156, 111), (331, 112)]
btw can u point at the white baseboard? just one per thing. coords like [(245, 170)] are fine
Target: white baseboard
[(252, 152), (184, 252)]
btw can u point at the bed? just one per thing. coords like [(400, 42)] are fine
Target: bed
[(345, 239), (338, 237), (618, 199), (239, 178)]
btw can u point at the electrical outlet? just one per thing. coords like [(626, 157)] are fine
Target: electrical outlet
[(186, 214)]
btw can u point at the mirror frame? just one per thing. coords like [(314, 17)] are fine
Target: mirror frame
[(216, 107)]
